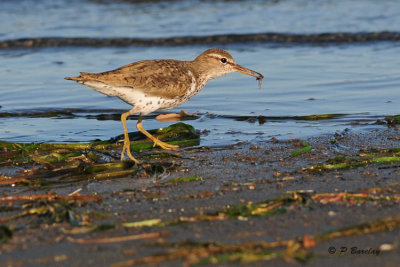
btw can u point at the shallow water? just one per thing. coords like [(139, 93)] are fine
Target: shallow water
[(102, 18), (362, 80)]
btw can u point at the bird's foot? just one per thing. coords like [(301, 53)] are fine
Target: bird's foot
[(127, 148), (164, 145), (130, 157)]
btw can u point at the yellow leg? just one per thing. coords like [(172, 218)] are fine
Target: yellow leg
[(157, 142), (127, 144)]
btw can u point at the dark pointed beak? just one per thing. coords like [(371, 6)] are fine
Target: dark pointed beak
[(250, 72)]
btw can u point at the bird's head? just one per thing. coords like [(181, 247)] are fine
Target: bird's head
[(215, 62)]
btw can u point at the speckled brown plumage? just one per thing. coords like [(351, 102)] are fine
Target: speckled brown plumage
[(160, 84), (163, 78)]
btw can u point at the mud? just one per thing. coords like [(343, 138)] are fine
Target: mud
[(328, 200)]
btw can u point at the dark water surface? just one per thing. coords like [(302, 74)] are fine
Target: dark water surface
[(360, 80)]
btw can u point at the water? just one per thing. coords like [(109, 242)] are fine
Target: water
[(362, 80), (102, 18)]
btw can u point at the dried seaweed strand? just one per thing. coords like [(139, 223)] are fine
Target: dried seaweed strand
[(121, 238), (51, 197)]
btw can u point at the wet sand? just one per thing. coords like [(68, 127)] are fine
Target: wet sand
[(328, 200)]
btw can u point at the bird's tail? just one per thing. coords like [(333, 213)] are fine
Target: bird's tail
[(90, 80)]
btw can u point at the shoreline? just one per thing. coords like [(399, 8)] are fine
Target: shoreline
[(247, 204)]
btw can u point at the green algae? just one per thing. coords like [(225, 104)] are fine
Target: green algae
[(145, 223), (392, 120), (179, 134), (373, 156), (306, 147), (55, 165)]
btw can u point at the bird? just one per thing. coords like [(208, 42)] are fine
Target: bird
[(151, 85)]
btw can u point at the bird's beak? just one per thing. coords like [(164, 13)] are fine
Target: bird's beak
[(247, 71), (250, 72)]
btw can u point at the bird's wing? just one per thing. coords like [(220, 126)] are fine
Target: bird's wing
[(163, 78)]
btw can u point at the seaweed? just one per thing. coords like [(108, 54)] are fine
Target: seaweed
[(5, 233), (52, 164), (184, 180), (306, 147), (365, 158)]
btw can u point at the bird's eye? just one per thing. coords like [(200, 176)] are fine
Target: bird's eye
[(223, 60)]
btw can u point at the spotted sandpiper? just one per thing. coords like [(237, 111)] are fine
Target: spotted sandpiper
[(150, 85)]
